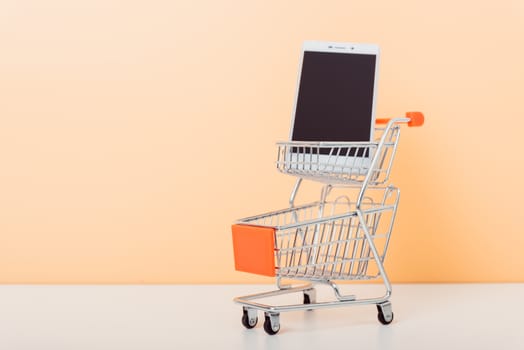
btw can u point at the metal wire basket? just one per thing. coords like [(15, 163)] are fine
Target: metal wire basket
[(340, 162), (326, 241)]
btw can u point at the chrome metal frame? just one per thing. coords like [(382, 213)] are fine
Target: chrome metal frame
[(312, 240)]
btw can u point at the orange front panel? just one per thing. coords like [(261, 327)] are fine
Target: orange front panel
[(254, 249)]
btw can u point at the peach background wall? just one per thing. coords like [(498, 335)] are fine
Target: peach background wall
[(134, 132)]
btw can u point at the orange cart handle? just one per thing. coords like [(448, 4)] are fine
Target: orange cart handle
[(415, 119)]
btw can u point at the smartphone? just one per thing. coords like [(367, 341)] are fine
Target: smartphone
[(335, 97)]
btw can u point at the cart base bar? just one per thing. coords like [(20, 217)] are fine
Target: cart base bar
[(272, 312)]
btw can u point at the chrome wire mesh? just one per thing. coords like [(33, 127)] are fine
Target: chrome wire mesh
[(339, 162), (326, 241)]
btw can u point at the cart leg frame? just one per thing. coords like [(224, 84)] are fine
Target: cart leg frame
[(272, 312)]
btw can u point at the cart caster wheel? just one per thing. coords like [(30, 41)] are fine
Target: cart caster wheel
[(272, 324), (383, 319), (307, 299), (310, 296), (249, 318), (385, 313)]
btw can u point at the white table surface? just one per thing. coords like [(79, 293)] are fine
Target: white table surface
[(427, 316)]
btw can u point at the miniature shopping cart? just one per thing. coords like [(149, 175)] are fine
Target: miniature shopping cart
[(340, 237)]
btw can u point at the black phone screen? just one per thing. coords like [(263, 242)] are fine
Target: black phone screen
[(335, 97)]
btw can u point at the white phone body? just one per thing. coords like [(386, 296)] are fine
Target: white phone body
[(362, 163)]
